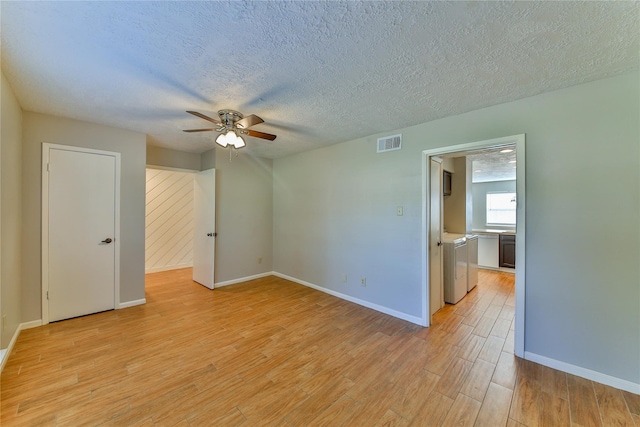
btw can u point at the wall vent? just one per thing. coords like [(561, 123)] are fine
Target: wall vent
[(390, 143)]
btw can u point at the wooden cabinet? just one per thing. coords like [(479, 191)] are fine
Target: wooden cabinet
[(508, 250)]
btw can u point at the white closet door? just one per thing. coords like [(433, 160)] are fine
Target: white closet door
[(81, 227)]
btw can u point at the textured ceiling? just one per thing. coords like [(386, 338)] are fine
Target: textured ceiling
[(494, 165), (490, 164), (318, 73)]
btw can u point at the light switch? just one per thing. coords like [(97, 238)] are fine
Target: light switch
[(400, 211)]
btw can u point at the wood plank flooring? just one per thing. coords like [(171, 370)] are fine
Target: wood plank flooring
[(273, 353)]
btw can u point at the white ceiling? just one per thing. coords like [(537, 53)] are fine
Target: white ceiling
[(490, 164), (494, 165), (318, 73)]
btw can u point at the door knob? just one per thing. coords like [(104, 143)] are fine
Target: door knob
[(107, 240)]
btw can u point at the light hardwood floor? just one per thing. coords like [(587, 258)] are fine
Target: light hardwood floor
[(271, 352)]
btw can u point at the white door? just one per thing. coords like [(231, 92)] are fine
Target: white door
[(80, 190), (436, 289), (204, 226)]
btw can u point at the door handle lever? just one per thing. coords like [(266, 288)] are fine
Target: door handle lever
[(107, 240), (212, 234)]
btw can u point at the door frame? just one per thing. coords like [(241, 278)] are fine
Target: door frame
[(438, 160), (46, 147), (519, 142)]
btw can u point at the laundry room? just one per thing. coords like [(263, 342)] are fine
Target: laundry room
[(479, 218)]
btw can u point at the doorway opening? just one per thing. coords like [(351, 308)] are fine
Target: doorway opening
[(168, 219), (180, 222), (432, 237)]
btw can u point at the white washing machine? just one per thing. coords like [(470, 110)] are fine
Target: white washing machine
[(455, 267)]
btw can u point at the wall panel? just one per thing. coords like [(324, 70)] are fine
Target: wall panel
[(168, 220)]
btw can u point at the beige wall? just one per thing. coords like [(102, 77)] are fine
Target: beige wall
[(244, 216), (174, 159), (10, 211), (39, 128), (455, 205), (208, 159)]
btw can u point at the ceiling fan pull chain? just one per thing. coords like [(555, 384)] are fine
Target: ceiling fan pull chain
[(229, 153)]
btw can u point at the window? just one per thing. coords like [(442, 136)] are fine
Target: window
[(501, 208)]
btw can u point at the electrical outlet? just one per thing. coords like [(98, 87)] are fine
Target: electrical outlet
[(344, 278), (260, 260), (363, 281)]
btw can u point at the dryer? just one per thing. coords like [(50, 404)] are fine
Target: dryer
[(472, 258), (455, 267)]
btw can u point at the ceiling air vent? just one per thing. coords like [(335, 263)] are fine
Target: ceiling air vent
[(390, 143)]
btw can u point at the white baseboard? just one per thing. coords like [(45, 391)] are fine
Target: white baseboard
[(132, 303), (31, 324), (376, 307), (502, 269), (243, 279), (584, 373), (167, 268), (5, 353)]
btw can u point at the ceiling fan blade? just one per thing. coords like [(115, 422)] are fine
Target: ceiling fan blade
[(198, 130), (249, 121), (257, 134), (202, 116)]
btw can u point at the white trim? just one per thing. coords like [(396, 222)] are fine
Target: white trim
[(131, 303), (168, 268), (169, 168), (44, 239), (243, 279), (376, 307), (584, 372), (501, 269), (116, 264), (31, 324), (46, 147), (519, 141), (520, 246), (5, 353), (424, 288)]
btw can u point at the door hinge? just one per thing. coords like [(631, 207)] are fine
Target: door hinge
[(47, 295), (48, 167)]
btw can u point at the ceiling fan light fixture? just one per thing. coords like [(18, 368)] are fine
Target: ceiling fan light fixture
[(230, 139), (222, 139), (231, 125), (238, 142)]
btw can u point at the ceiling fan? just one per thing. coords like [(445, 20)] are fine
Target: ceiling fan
[(231, 125)]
